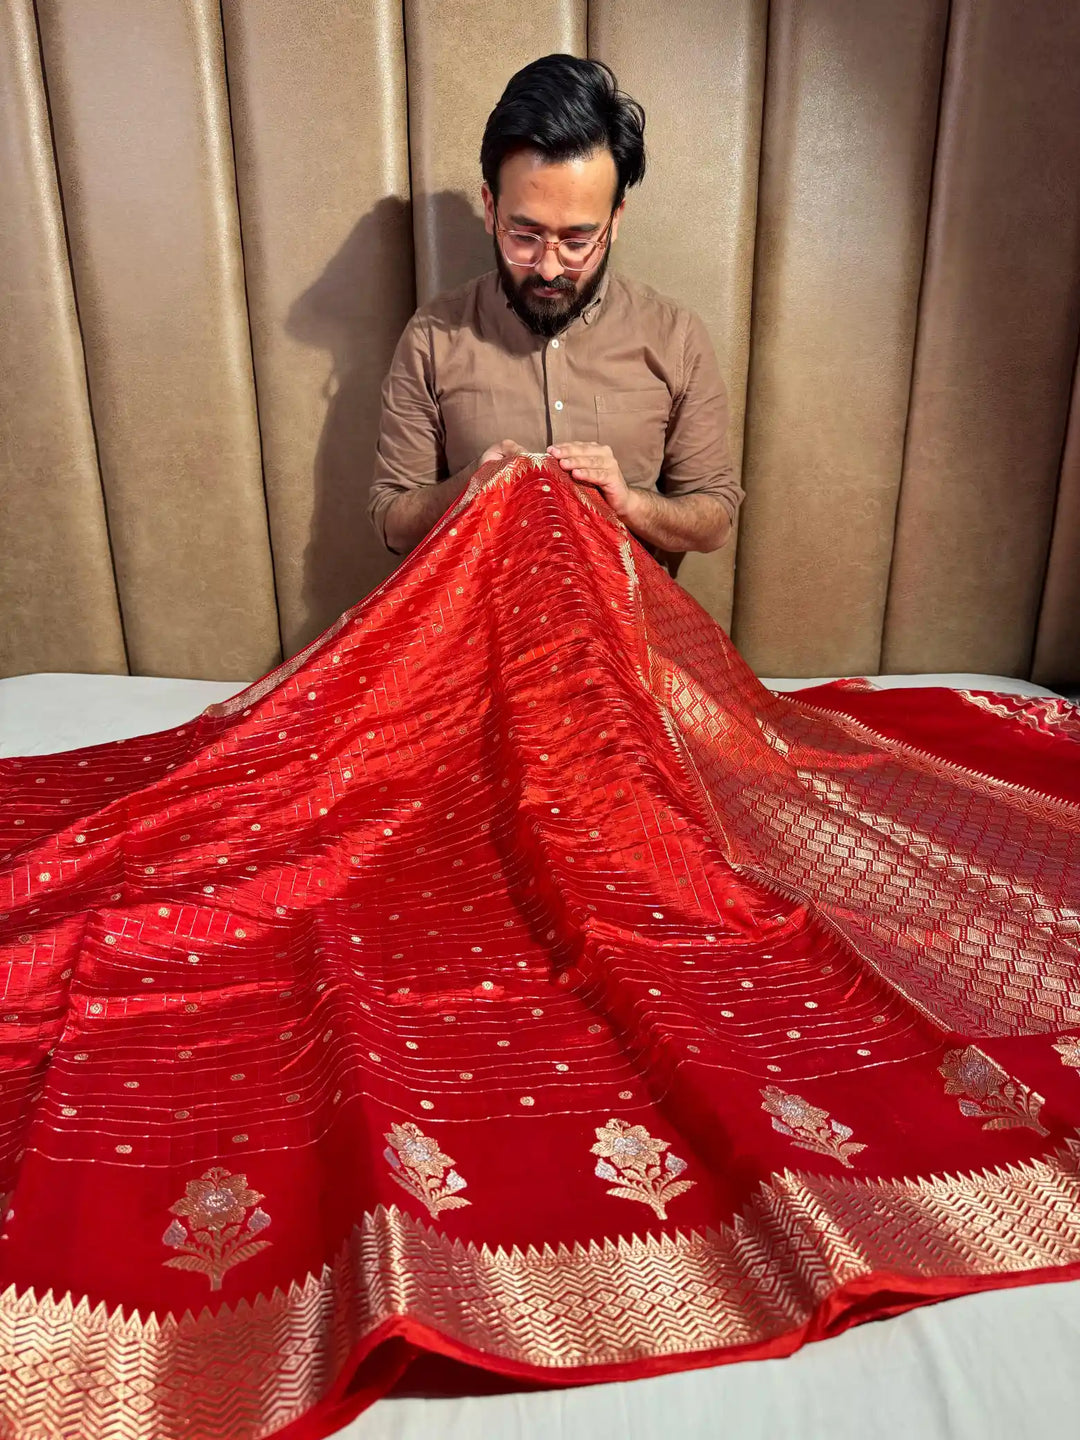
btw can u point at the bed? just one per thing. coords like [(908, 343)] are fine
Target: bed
[(1000, 1364)]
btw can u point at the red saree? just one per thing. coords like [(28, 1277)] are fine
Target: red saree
[(510, 977)]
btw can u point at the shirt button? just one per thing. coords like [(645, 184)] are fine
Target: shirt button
[(558, 404), (554, 344)]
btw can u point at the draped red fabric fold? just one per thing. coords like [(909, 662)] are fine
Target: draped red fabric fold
[(511, 977)]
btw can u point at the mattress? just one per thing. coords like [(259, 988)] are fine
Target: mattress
[(997, 1366)]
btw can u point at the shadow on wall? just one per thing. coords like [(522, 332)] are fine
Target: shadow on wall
[(452, 245), (355, 311)]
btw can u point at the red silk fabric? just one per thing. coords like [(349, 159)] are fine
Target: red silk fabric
[(507, 959)]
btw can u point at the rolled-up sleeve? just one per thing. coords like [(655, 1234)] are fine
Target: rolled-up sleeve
[(409, 450), (697, 449)]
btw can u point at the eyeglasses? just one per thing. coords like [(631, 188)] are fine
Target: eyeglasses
[(526, 251)]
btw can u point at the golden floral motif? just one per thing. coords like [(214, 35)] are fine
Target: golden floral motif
[(219, 1232), (636, 1161), (1069, 1049), (989, 1093), (419, 1166), (810, 1127)]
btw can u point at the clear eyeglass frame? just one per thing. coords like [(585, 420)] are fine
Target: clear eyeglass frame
[(578, 262)]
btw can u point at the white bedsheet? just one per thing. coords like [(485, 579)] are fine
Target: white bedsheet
[(40, 714), (999, 1366)]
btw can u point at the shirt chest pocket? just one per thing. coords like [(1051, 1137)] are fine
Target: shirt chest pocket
[(634, 424), (468, 420), (473, 420)]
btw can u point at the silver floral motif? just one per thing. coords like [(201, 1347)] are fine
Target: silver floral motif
[(421, 1168), (639, 1167), (216, 1236), (810, 1127), (988, 1093)]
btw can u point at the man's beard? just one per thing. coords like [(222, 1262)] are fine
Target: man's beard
[(547, 315)]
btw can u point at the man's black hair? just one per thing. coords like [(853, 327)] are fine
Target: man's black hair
[(566, 108)]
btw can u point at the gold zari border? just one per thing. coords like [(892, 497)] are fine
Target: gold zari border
[(72, 1371)]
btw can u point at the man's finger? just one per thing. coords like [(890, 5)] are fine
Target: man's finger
[(579, 447)]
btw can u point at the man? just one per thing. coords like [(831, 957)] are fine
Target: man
[(618, 384)]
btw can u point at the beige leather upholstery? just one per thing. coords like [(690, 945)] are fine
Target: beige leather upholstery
[(141, 126), (998, 324), (216, 218), (850, 113), (322, 166), (57, 595)]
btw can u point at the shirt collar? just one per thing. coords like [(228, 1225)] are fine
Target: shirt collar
[(591, 310)]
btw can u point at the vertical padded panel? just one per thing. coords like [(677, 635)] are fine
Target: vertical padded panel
[(1057, 641), (997, 340), (58, 606), (689, 230), (320, 134), (851, 98), (459, 63), (141, 124)]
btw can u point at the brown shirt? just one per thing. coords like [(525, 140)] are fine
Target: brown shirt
[(635, 371)]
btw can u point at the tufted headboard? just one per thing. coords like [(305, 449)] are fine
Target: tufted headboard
[(217, 215)]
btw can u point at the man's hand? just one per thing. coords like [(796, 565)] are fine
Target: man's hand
[(686, 522), (504, 450), (412, 514), (595, 465)]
